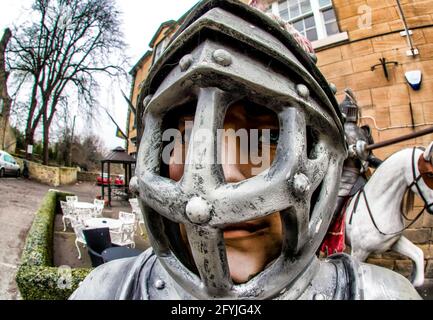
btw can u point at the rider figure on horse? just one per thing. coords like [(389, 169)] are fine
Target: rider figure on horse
[(355, 170)]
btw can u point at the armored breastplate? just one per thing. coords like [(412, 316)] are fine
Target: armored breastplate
[(332, 279)]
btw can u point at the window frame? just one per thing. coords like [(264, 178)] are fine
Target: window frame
[(161, 44), (316, 12)]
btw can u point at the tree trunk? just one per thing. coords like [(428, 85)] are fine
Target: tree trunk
[(32, 124), (47, 120), (4, 95), (46, 142)]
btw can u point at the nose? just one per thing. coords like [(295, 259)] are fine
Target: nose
[(430, 208)]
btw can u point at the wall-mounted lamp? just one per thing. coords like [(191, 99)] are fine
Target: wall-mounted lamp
[(414, 78)]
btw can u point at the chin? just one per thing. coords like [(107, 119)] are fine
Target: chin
[(247, 257)]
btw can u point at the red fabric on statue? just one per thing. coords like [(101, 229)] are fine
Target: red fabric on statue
[(335, 240)]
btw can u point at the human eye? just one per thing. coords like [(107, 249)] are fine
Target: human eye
[(269, 137)]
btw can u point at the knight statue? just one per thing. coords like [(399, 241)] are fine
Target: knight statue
[(355, 168), (218, 229)]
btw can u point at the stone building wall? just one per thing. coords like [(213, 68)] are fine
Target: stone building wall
[(388, 101)]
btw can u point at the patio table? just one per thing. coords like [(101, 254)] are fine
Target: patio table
[(83, 205), (97, 223)]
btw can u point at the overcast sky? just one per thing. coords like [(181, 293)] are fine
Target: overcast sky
[(141, 19)]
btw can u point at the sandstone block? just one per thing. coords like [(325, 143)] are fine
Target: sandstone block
[(418, 236), (404, 267)]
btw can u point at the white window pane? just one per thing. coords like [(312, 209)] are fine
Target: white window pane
[(294, 9), (283, 10), (282, 5), (309, 22), (329, 15), (323, 3), (284, 14), (312, 35), (299, 25), (305, 6), (332, 28)]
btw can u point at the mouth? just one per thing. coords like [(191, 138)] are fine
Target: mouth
[(244, 230)]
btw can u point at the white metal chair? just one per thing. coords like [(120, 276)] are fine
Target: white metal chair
[(137, 211), (99, 208), (127, 217), (78, 227), (67, 213), (125, 236), (71, 199), (83, 214)]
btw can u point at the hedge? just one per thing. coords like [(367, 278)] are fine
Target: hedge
[(37, 278)]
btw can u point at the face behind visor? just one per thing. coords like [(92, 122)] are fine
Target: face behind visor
[(227, 52)]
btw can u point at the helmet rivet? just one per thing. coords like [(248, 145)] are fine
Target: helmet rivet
[(333, 88), (222, 57), (319, 296), (301, 184), (303, 91), (198, 210), (159, 284), (185, 62)]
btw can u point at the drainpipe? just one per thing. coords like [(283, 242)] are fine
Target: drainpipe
[(413, 51)]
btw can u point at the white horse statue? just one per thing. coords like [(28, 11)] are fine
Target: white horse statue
[(374, 216)]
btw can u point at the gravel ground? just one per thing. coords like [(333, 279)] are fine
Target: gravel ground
[(17, 209)]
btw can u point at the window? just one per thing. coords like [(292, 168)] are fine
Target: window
[(159, 49), (315, 19), (134, 141), (9, 159)]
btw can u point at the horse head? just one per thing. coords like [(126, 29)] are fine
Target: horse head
[(423, 177)]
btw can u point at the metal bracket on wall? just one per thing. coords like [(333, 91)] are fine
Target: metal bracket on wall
[(384, 64)]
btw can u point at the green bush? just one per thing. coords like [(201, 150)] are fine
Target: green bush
[(37, 278), (44, 283)]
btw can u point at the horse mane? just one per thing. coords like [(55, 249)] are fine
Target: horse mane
[(408, 201)]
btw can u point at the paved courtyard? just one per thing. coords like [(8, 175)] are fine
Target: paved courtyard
[(20, 201)]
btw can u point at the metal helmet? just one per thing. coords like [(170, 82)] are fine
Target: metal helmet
[(226, 51), (349, 106)]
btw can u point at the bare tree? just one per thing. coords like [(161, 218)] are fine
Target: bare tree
[(5, 100), (71, 42)]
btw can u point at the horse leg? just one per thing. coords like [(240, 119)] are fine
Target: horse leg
[(407, 248)]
